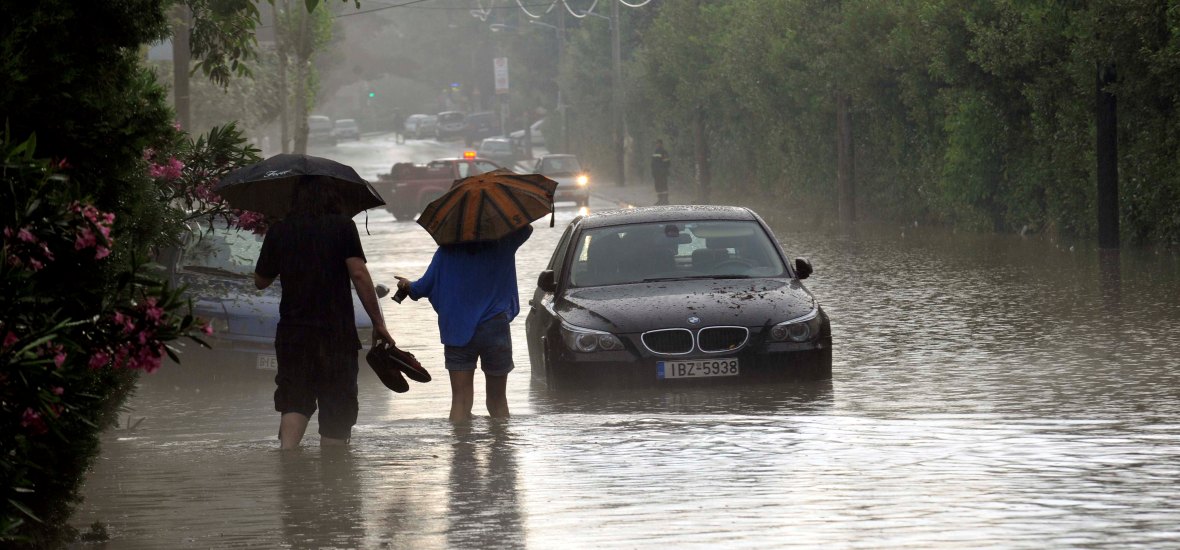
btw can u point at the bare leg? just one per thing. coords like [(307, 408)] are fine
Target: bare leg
[(497, 396), (462, 395), (332, 442), (291, 429)]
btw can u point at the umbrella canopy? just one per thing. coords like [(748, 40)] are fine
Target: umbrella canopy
[(488, 207), (268, 186)]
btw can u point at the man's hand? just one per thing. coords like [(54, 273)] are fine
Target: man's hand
[(403, 283), (380, 333)]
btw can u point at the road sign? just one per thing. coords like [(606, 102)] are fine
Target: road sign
[(501, 67)]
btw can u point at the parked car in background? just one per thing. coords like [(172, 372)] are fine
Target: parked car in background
[(319, 130), (672, 295), (537, 135), (420, 126), (409, 187), (481, 125), (573, 182), (450, 124), (501, 150), (217, 268), (346, 128)]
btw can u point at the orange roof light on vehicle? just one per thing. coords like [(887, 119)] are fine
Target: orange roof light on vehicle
[(468, 155)]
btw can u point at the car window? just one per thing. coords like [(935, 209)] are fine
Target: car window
[(665, 251), (230, 252), (557, 261), (481, 167)]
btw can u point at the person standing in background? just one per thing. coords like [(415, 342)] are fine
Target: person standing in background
[(659, 172)]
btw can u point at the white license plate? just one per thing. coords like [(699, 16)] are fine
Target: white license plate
[(267, 362), (696, 368)]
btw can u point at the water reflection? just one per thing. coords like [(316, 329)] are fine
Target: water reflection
[(769, 398), (320, 499), (483, 508)]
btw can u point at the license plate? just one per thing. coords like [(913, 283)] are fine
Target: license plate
[(267, 362), (696, 368)]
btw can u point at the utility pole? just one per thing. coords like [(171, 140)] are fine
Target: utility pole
[(845, 183), (617, 93), (181, 59), (561, 108)]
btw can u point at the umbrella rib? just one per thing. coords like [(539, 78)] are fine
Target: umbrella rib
[(500, 211)]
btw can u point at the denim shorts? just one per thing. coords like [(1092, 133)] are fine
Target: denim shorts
[(491, 344)]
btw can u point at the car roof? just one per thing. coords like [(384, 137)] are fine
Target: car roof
[(660, 214), (557, 156), (497, 139), (339, 120), (461, 159)]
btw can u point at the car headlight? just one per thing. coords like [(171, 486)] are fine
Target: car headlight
[(583, 180), (799, 329), (585, 340)]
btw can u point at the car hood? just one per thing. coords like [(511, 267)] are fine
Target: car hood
[(665, 304)]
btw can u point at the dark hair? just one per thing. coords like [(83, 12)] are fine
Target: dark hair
[(316, 197)]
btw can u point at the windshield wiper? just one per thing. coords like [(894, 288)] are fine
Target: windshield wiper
[(208, 270)]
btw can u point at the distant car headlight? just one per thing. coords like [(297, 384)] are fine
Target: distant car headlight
[(585, 340), (583, 180), (799, 329)]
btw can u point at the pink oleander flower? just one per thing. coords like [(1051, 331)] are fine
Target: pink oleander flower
[(59, 391), (101, 252), (59, 358), (85, 239), (10, 339), (149, 153), (37, 265), (207, 329), (153, 311), (176, 125), (99, 359), (8, 232), (33, 422), (26, 235)]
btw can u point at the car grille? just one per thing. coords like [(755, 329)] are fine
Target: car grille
[(668, 341), (719, 339)]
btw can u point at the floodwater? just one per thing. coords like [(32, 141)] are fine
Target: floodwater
[(987, 392)]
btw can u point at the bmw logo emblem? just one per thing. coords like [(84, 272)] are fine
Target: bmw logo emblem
[(694, 320)]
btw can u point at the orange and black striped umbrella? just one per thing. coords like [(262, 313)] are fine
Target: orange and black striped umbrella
[(488, 207)]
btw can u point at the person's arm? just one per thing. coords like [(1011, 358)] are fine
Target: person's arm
[(363, 283), (521, 236), (424, 285), (261, 282)]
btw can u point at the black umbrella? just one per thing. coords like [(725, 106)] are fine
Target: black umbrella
[(268, 186)]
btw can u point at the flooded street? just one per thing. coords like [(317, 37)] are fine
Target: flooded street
[(987, 391)]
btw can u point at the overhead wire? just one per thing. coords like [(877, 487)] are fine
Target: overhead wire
[(584, 14)]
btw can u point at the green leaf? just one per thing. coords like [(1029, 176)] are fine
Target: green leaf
[(24, 510)]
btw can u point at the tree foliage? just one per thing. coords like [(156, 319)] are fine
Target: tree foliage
[(974, 114)]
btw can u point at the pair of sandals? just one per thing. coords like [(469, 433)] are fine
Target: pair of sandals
[(390, 363)]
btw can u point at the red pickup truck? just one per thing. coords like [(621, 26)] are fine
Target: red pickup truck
[(409, 187)]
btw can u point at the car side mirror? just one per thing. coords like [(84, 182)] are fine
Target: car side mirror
[(382, 291), (803, 268), (547, 281)]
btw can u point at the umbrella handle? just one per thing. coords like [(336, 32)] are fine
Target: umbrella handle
[(552, 212)]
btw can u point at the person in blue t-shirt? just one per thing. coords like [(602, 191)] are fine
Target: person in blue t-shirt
[(472, 287)]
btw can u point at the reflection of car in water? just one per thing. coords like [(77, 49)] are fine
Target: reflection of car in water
[(319, 130), (573, 183), (409, 187), (217, 268), (669, 295)]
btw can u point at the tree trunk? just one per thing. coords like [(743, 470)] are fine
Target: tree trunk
[(302, 59), (845, 182), (617, 95), (1107, 149), (181, 60), (701, 156), (284, 100)]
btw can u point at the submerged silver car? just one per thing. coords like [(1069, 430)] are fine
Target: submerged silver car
[(217, 267)]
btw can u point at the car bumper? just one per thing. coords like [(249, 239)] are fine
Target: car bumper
[(812, 361)]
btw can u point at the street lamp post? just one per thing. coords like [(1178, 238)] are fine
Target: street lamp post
[(617, 93)]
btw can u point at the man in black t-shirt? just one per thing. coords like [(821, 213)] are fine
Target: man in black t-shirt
[(318, 253), (659, 172)]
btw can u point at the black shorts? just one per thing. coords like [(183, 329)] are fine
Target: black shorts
[(311, 373)]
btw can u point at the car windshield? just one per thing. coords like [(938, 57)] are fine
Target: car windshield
[(677, 250), (496, 146), (346, 124), (560, 165), (227, 252)]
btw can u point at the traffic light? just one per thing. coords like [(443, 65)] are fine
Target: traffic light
[(372, 95)]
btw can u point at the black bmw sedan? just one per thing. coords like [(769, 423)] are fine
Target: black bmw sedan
[(671, 294)]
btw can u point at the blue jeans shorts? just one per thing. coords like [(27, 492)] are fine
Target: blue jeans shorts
[(491, 344)]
